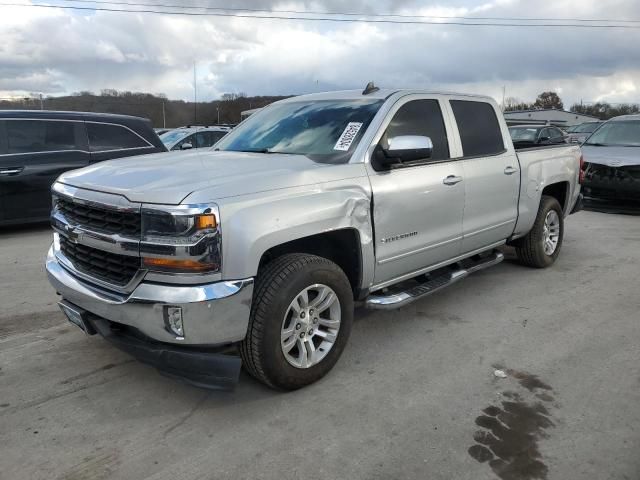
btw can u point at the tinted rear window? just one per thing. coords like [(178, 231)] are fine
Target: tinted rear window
[(479, 128), (103, 137), (31, 136)]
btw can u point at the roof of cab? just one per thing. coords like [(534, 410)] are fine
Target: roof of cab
[(383, 94)]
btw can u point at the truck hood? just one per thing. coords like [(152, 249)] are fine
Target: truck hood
[(612, 156), (168, 178)]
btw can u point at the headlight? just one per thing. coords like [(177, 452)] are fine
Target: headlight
[(181, 239)]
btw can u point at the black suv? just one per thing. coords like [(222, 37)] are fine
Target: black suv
[(37, 146)]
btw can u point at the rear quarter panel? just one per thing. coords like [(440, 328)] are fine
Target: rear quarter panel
[(539, 168)]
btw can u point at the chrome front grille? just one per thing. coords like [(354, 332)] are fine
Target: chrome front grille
[(100, 219), (108, 267)]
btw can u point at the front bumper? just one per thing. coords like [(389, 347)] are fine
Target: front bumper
[(203, 367), (603, 182), (213, 314)]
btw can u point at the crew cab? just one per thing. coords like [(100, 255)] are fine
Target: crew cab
[(262, 246)]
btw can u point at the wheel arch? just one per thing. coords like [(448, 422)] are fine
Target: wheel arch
[(559, 191), (342, 246)]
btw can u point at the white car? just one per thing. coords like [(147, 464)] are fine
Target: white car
[(185, 138)]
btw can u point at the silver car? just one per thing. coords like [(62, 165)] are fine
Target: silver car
[(186, 138)]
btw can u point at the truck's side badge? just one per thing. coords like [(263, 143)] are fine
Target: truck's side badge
[(399, 237)]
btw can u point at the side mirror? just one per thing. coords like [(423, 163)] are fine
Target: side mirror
[(543, 139), (404, 148), (186, 146)]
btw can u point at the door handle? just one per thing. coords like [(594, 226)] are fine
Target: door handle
[(10, 171), (452, 180), (510, 170)]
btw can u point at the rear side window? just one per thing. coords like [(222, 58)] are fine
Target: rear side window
[(556, 133), (479, 128), (103, 137), (32, 136), (420, 117)]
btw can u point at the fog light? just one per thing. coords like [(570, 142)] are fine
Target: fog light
[(173, 320)]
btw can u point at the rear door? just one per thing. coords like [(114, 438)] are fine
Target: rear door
[(110, 140), (491, 173), (417, 208), (37, 152)]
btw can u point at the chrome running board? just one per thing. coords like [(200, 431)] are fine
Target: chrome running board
[(455, 273)]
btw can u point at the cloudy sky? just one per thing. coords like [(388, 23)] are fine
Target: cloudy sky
[(54, 51)]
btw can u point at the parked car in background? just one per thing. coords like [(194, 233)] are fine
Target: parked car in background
[(524, 136), (37, 146), (311, 204), (186, 138), (579, 133), (612, 160)]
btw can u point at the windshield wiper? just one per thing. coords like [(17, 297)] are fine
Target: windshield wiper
[(256, 150), (596, 144)]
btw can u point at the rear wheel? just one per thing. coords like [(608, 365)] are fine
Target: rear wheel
[(541, 246), (300, 321)]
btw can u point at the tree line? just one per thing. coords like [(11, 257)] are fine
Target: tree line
[(601, 110), (157, 108), (175, 113)]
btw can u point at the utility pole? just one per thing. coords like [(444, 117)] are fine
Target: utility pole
[(504, 90), (164, 118), (218, 110), (195, 96), (41, 103)]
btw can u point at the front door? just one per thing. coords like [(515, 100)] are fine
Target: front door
[(38, 151), (418, 207)]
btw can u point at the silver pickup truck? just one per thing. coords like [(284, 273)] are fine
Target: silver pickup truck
[(257, 250)]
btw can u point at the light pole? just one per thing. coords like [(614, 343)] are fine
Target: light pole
[(195, 96)]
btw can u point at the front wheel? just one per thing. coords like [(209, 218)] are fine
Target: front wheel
[(300, 321), (541, 246)]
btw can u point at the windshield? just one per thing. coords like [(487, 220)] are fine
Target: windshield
[(523, 134), (173, 136), (619, 134), (323, 130), (586, 128)]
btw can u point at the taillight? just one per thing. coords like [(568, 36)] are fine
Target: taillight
[(582, 170)]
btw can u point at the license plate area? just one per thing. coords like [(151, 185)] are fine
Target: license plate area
[(77, 316)]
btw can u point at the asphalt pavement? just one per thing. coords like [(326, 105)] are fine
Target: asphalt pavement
[(416, 394)]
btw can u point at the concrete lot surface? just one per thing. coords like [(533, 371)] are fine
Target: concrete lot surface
[(414, 396)]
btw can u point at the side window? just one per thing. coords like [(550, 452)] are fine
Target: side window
[(556, 133), (203, 139), (3, 137), (30, 136), (420, 117), (217, 136), (479, 128), (103, 137), (189, 139), (544, 133)]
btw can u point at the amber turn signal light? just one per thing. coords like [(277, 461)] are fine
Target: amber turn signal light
[(173, 264), (205, 221)]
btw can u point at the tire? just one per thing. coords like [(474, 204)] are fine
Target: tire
[(531, 248), (273, 313)]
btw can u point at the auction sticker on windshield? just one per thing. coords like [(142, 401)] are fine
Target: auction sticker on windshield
[(346, 139)]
